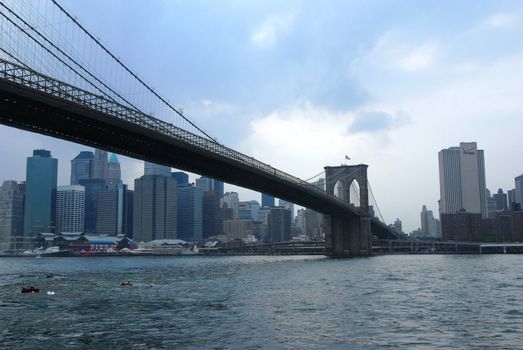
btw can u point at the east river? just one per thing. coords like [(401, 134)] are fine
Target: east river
[(250, 302)]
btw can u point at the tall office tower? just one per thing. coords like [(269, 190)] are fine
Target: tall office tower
[(279, 226), (205, 183), (182, 179), (156, 169), (11, 213), (70, 204), (113, 211), (267, 200), (425, 219), (233, 202), (462, 179), (518, 191), (190, 206), (100, 165), (154, 212), (81, 167), (114, 174), (255, 208), (501, 200), (288, 206), (511, 196), (92, 187), (211, 214), (218, 187), (40, 191)]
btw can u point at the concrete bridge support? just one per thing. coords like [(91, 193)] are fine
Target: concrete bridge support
[(348, 235)]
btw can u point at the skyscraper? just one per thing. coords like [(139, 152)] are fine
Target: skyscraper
[(518, 191), (11, 213), (501, 200), (100, 165), (154, 212), (81, 167), (267, 200), (205, 183), (156, 169), (279, 224), (40, 193), (92, 188), (182, 179), (218, 187), (114, 174), (462, 179), (288, 206), (70, 204), (211, 214), (233, 202), (114, 211), (429, 225), (190, 206)]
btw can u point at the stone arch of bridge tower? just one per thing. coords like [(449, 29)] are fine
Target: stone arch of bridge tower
[(344, 176)]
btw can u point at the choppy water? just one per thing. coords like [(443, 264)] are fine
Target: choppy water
[(421, 302)]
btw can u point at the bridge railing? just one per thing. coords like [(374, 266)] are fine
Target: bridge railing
[(44, 84)]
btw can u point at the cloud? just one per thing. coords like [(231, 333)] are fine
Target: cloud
[(419, 58), (501, 20), (372, 121), (266, 35)]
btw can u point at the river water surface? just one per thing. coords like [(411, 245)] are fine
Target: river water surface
[(249, 302)]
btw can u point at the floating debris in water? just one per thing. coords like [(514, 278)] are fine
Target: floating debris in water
[(30, 290)]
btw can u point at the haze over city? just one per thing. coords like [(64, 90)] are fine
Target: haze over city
[(301, 85)]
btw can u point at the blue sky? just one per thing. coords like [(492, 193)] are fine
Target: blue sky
[(301, 84)]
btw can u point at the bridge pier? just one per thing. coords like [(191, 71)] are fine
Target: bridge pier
[(348, 235)]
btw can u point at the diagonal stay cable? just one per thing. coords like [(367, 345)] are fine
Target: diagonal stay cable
[(68, 57), (132, 73)]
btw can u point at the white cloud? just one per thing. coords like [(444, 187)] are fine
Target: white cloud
[(266, 35), (420, 58), (501, 20)]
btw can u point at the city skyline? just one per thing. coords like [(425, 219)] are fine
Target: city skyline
[(385, 96)]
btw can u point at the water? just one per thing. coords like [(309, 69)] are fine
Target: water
[(402, 301)]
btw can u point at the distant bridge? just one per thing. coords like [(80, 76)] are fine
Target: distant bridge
[(37, 102)]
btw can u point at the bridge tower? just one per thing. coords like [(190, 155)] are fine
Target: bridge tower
[(348, 235)]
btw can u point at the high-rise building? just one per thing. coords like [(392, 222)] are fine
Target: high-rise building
[(190, 206), (518, 190), (429, 225), (233, 202), (511, 196), (211, 218), (205, 183), (279, 224), (154, 211), (11, 213), (114, 211), (462, 179), (156, 169), (114, 173), (218, 187), (310, 223), (92, 188), (40, 192), (501, 200), (81, 167), (288, 206), (267, 200), (182, 179), (100, 165), (70, 204)]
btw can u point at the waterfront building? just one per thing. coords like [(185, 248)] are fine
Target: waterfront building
[(288, 206), (462, 179), (429, 225), (310, 223), (39, 208), (233, 202), (92, 188), (81, 167), (154, 208), (279, 224), (114, 173), (182, 179), (156, 169), (190, 206), (518, 190), (267, 200), (114, 211), (501, 200), (240, 228), (11, 213), (211, 214), (99, 165), (70, 204), (461, 226)]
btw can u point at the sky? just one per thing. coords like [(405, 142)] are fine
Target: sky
[(301, 84)]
